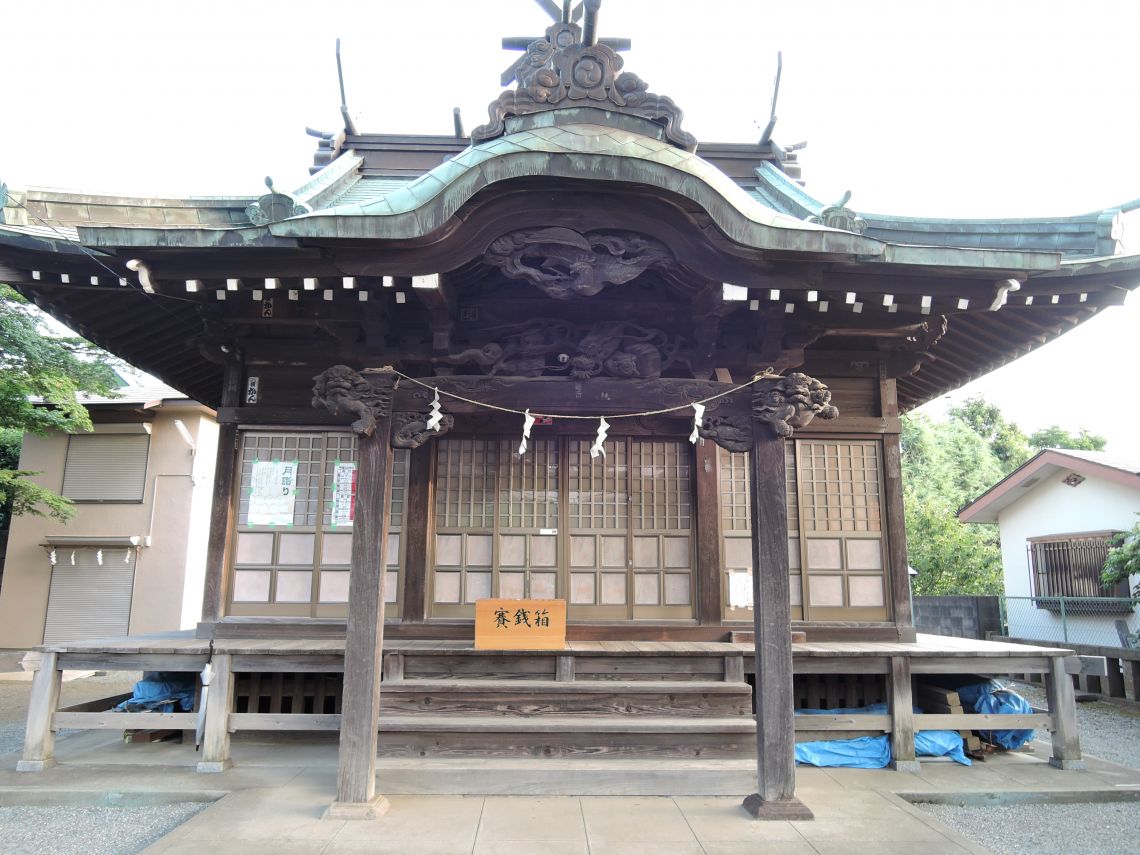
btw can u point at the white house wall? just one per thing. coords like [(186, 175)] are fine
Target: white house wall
[(1051, 507)]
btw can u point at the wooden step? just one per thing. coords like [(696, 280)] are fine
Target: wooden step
[(566, 736), (525, 698)]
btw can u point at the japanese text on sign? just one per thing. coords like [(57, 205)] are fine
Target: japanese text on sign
[(272, 491), (520, 624)]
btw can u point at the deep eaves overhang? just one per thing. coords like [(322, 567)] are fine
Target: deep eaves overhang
[(624, 155)]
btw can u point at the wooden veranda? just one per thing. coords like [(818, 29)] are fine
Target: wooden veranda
[(622, 698)]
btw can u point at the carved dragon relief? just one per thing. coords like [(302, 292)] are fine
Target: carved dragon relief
[(552, 347), (786, 404), (564, 264), (410, 430), (561, 71)]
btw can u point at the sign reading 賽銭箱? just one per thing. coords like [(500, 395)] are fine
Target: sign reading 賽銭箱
[(520, 624)]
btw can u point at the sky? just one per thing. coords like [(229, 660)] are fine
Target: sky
[(931, 108)]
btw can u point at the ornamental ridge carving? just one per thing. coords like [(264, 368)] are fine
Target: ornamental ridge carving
[(552, 347), (274, 207), (410, 430), (347, 395), (784, 405), (561, 71), (564, 264)]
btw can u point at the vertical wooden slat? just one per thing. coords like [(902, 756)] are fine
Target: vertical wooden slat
[(356, 772), (219, 704), (775, 728), (39, 738), (709, 593), (1063, 709), (417, 530)]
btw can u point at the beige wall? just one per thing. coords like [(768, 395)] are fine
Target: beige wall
[(173, 519)]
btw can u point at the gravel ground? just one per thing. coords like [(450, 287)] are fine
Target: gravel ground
[(89, 830), (77, 829), (1090, 829), (1108, 731)]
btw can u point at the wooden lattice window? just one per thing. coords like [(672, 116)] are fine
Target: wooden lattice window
[(293, 558)]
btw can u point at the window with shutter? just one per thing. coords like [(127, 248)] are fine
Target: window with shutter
[(106, 467)]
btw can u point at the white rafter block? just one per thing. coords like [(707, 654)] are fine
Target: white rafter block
[(1029, 300), (401, 297), (789, 308), (123, 281), (94, 280), (428, 280), (927, 301), (328, 296), (349, 282), (220, 294), (812, 296), (37, 275), (256, 295), (310, 283), (388, 281), (888, 299), (754, 305), (857, 307), (294, 294), (193, 285), (850, 298), (963, 304), (823, 305), (774, 294), (893, 307), (271, 284), (1056, 299), (1084, 297), (65, 278), (363, 296)]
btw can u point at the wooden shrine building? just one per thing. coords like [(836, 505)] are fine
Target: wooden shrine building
[(582, 261)]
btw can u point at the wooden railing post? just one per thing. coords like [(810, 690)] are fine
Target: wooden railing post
[(39, 737), (902, 716), (1063, 708), (219, 705)]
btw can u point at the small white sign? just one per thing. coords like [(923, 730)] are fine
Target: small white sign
[(272, 492), (344, 493), (548, 531), (740, 589)]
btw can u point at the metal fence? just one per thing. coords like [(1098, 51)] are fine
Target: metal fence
[(1102, 621)]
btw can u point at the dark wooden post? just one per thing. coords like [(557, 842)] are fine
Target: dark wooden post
[(709, 592), (417, 514), (778, 406), (772, 619), (902, 716), (899, 568), (346, 393), (221, 535)]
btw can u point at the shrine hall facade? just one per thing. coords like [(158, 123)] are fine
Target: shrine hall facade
[(377, 342)]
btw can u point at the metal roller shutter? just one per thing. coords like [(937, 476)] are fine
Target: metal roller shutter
[(108, 468), (88, 599)]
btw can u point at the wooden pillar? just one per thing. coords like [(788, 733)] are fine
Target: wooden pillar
[(902, 716), (369, 402), (1063, 709), (1114, 677), (220, 538), (772, 617), (219, 705), (417, 530), (39, 737), (898, 567), (710, 599)]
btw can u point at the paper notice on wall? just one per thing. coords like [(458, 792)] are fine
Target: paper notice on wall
[(272, 492), (739, 589), (344, 493)]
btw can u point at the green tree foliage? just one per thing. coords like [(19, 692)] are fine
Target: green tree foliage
[(34, 363), (1056, 436), (1008, 443), (944, 465), (1124, 558)]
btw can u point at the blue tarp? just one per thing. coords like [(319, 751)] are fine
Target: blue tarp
[(874, 752), (992, 697), (162, 691)]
